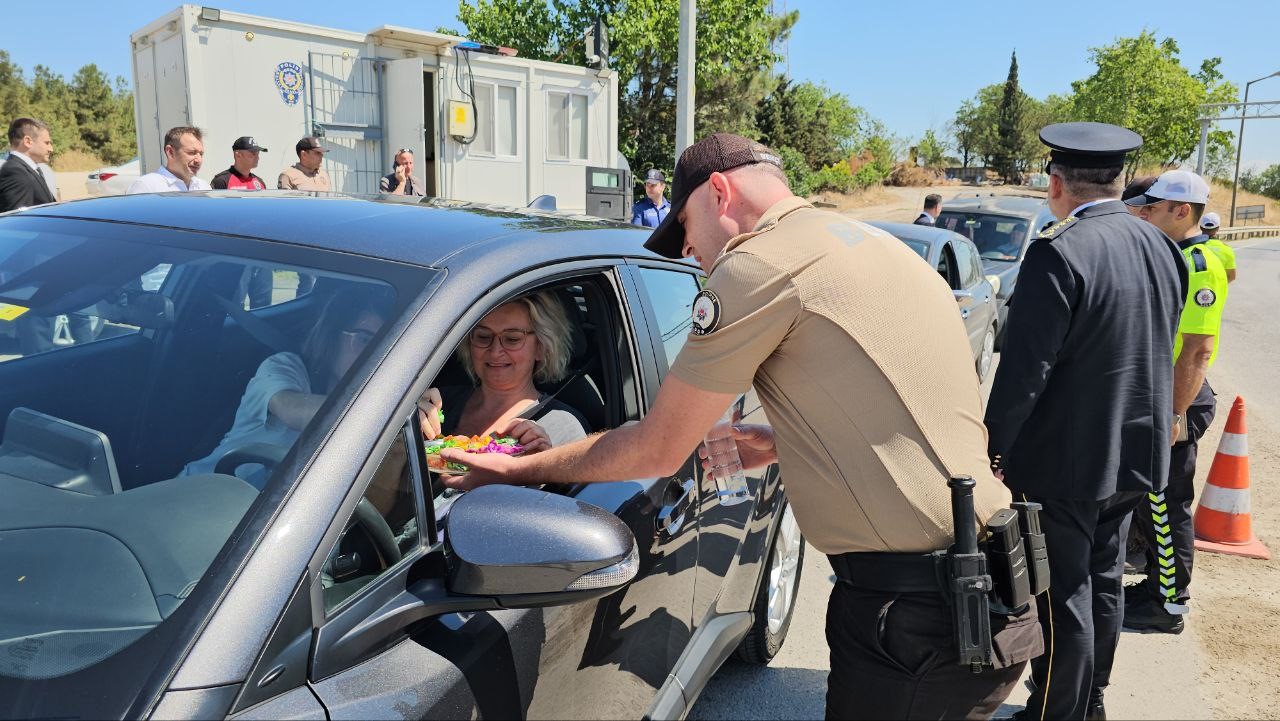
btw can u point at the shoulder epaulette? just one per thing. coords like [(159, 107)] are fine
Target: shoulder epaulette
[(1056, 229), (1197, 259)]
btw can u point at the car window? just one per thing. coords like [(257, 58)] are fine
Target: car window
[(127, 463), (946, 266), (919, 246), (671, 294), (262, 286), (967, 264), (998, 237), (383, 528)]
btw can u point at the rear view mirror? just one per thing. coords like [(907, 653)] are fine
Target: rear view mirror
[(526, 547), (145, 309)]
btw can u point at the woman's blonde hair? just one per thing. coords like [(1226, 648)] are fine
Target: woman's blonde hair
[(550, 327)]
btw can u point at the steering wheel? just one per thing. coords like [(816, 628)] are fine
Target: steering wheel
[(365, 515)]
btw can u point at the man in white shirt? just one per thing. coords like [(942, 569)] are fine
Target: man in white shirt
[(183, 156)]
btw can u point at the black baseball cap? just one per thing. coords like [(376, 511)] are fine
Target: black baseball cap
[(715, 153), (246, 142), (310, 143)]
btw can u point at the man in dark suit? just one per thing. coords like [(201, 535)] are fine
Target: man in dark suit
[(21, 183), (1081, 409), (932, 207)]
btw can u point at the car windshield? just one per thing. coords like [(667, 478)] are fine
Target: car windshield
[(998, 237), (150, 380)]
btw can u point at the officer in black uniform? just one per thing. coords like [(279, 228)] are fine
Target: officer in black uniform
[(1082, 406)]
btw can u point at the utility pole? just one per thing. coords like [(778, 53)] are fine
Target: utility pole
[(685, 59), (1235, 181)]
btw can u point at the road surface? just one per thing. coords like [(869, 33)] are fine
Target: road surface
[(1223, 666)]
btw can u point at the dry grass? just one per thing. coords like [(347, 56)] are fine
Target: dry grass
[(66, 161), (866, 197)]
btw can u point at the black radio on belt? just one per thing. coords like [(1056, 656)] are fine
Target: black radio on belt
[(1007, 561), (1033, 539)]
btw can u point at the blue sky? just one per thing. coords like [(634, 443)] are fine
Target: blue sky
[(909, 64)]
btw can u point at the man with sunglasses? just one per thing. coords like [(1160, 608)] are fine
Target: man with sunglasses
[(307, 173), (401, 181), (1175, 204), (245, 152), (1081, 408)]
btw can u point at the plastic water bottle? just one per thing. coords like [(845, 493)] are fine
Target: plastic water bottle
[(726, 465)]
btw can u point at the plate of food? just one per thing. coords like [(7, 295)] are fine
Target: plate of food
[(470, 444)]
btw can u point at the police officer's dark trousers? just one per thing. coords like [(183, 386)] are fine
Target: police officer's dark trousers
[(1082, 611), (893, 653), (1164, 519)]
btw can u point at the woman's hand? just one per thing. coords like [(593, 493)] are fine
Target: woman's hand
[(430, 413), (529, 434)]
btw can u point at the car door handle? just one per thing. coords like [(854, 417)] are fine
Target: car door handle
[(671, 517)]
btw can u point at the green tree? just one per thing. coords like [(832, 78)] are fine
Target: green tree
[(931, 151), (1010, 126), (1141, 84), (735, 58), (50, 99), (820, 124), (1266, 182)]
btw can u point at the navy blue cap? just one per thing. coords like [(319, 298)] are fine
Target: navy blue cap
[(1089, 145)]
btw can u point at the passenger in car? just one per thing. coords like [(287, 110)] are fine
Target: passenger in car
[(289, 388), (516, 346)]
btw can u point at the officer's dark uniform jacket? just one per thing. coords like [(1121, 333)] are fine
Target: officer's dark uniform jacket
[(1092, 414)]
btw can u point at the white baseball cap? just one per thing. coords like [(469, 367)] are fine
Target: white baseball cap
[(1210, 221), (1182, 186)]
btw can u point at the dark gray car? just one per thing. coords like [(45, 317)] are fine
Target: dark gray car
[(323, 572), (956, 260), (1002, 226)]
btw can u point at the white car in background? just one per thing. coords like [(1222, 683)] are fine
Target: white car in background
[(114, 180)]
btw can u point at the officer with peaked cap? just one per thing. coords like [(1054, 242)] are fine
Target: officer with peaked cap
[(863, 367), (1081, 409)]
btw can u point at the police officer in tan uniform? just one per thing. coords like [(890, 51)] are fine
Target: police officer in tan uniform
[(871, 417)]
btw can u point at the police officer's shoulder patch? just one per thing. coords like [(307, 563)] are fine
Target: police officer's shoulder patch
[(706, 312), (1056, 229), (1205, 297)]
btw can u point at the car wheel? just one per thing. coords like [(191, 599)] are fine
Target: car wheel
[(776, 599), (983, 362)]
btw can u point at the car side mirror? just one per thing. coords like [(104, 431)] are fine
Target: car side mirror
[(506, 547), (526, 547)]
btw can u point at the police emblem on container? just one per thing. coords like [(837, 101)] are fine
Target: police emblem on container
[(290, 81), (706, 312), (1205, 297)]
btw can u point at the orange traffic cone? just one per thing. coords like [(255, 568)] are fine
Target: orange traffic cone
[(1222, 520)]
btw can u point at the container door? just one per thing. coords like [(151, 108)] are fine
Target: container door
[(405, 102), (346, 111)]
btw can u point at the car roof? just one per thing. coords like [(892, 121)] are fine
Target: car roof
[(431, 232), (923, 233), (1028, 206)]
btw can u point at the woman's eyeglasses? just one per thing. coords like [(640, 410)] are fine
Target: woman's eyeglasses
[(511, 338)]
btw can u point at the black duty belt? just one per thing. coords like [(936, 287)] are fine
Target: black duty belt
[(891, 572)]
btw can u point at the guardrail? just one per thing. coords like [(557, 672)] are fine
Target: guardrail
[(1244, 232)]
